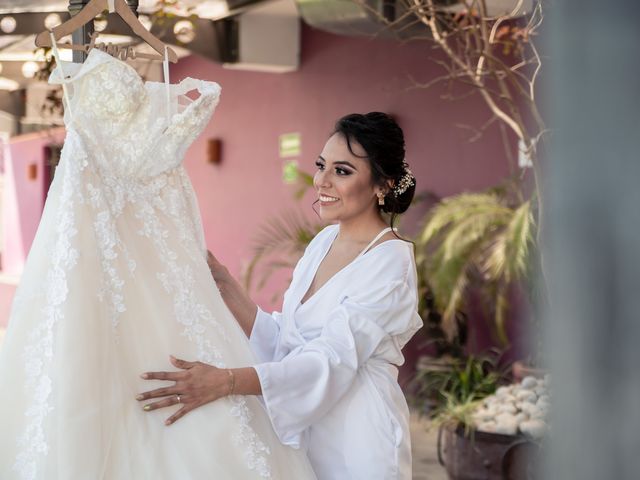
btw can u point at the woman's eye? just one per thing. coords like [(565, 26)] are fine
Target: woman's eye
[(342, 171), (320, 165)]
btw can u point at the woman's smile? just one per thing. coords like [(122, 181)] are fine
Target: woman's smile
[(327, 200)]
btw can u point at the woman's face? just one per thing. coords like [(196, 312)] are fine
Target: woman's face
[(344, 182)]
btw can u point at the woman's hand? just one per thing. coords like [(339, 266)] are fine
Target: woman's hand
[(219, 272), (242, 307), (195, 385)]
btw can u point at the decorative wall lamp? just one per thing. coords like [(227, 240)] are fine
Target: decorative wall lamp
[(214, 151), (32, 172)]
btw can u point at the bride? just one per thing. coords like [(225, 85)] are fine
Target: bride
[(117, 276)]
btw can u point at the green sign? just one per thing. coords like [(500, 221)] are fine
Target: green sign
[(290, 145)]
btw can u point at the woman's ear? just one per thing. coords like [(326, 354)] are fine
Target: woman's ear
[(388, 186)]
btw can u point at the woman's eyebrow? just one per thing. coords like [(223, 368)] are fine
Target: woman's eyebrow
[(338, 162)]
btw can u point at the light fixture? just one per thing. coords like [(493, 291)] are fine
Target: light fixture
[(52, 20), (29, 69), (145, 21), (100, 23), (8, 84), (8, 24), (184, 31)]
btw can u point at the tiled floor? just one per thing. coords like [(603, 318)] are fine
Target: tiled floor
[(424, 446)]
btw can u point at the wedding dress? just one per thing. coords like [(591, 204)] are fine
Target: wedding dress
[(117, 280)]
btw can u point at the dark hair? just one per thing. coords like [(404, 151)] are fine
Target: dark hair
[(383, 141)]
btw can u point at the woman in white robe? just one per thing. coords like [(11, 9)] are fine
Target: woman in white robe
[(327, 364)]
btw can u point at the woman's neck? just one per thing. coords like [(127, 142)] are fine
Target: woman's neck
[(362, 228)]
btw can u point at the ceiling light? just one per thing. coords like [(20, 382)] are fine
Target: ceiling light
[(29, 69), (184, 31), (8, 84), (8, 24), (52, 20)]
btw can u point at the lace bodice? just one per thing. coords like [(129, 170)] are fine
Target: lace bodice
[(134, 128)]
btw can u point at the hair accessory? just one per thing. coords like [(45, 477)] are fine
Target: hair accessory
[(407, 180)]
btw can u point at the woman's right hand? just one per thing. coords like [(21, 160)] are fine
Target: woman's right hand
[(234, 296), (218, 271)]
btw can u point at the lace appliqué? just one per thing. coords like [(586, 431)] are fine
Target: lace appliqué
[(109, 244), (39, 350), (142, 173), (178, 281)]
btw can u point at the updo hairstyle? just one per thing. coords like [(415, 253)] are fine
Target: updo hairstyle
[(383, 141)]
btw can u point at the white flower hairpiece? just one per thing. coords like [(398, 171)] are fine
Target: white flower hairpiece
[(405, 182)]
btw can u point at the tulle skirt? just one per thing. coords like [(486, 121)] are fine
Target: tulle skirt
[(93, 311)]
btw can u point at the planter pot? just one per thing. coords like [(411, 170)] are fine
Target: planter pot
[(486, 456)]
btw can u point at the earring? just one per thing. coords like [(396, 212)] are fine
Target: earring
[(380, 199)]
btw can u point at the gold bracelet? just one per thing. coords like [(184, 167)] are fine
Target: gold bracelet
[(232, 381)]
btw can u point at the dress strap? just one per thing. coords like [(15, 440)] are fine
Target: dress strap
[(112, 5), (56, 55), (378, 237), (167, 83)]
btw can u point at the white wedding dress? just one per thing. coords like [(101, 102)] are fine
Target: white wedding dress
[(117, 280)]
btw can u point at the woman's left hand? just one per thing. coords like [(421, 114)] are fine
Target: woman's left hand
[(195, 385)]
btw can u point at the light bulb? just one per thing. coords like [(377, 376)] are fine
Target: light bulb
[(52, 20), (29, 69), (184, 31), (8, 24)]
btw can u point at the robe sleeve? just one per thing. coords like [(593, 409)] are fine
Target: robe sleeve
[(265, 335), (372, 320)]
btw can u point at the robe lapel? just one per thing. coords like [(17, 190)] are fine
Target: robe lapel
[(299, 286)]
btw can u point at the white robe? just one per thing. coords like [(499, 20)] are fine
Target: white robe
[(328, 367)]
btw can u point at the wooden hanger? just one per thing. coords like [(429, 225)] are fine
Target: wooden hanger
[(89, 13)]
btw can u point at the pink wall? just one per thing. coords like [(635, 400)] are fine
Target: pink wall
[(23, 197), (338, 75)]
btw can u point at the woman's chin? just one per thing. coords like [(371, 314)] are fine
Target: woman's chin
[(327, 215)]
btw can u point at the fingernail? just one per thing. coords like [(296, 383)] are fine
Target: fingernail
[(147, 408), (145, 375), (167, 422), (140, 397)]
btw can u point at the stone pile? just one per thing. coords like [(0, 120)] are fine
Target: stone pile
[(518, 408)]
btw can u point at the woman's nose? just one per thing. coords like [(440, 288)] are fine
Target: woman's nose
[(320, 179)]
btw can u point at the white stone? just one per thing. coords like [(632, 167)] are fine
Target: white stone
[(484, 415), (507, 408), (529, 383), (502, 392), (521, 417), (527, 396), (506, 424), (487, 427), (533, 428), (530, 409)]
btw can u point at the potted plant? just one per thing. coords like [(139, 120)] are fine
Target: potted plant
[(487, 429)]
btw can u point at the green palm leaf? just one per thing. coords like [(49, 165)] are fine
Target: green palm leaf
[(475, 236), (279, 243)]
